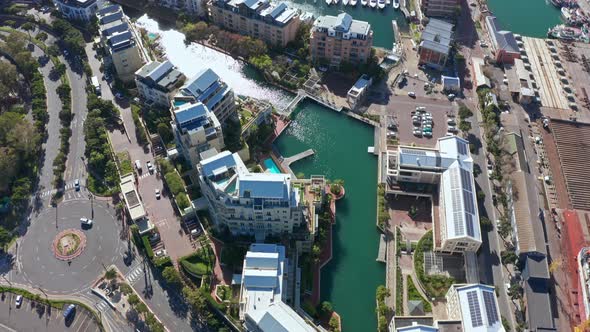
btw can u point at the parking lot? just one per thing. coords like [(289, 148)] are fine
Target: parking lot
[(38, 318), (401, 107)]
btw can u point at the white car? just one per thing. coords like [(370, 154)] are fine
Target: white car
[(160, 253), (85, 221), (452, 129), (19, 301), (157, 193), (417, 132), (451, 96), (420, 108), (412, 94), (150, 166)]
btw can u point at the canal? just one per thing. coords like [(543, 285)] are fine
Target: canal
[(526, 17), (340, 143)]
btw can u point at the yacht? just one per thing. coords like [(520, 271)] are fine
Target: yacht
[(373, 3), (381, 4), (353, 3), (364, 2), (395, 4)]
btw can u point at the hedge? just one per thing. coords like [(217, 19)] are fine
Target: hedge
[(147, 246)]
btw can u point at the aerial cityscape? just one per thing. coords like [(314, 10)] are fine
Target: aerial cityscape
[(296, 165)]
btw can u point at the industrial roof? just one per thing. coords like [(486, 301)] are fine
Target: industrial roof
[(437, 36), (479, 308), (264, 185), (343, 23), (501, 40), (480, 78), (539, 316), (279, 317)]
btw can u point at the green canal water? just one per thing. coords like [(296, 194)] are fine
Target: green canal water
[(526, 17), (340, 143)]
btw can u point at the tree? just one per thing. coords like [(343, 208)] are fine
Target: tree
[(464, 126), (197, 301), (42, 36), (165, 132), (53, 50), (5, 237), (326, 307), (334, 324), (182, 201), (485, 222), (508, 257), (125, 289), (171, 275), (133, 300), (504, 228), (110, 274)]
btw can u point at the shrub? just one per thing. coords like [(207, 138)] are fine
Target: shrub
[(182, 201), (174, 182), (162, 262), (147, 246)]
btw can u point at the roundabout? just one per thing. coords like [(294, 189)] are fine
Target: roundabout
[(60, 255)]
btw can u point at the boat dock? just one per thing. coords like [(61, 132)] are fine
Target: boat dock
[(286, 162), (381, 256)]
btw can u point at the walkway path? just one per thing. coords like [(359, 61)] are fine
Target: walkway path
[(405, 294), (286, 162)]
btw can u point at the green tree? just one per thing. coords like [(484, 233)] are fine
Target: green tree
[(171, 275), (110, 274), (182, 201), (195, 299), (334, 324), (165, 132), (504, 228), (133, 300), (5, 237), (326, 307)]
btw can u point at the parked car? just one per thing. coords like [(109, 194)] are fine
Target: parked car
[(155, 237), (160, 253), (420, 108), (86, 222), (417, 132), (451, 96), (19, 301), (483, 44), (412, 94), (451, 122), (69, 310), (427, 133), (77, 184), (157, 193), (150, 167)]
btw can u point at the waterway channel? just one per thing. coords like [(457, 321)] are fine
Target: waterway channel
[(340, 143), (526, 17)]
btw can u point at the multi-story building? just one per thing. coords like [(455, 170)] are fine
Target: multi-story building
[(449, 167), (78, 10), (441, 8), (435, 44), (338, 39), (476, 306), (208, 88), (259, 204), (196, 129), (276, 24), (504, 45), (191, 7), (263, 292), (119, 42), (157, 82)]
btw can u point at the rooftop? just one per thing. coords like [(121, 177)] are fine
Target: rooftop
[(480, 78), (502, 39), (343, 23), (479, 308), (132, 201), (264, 185), (161, 75), (437, 36), (78, 3), (200, 82)]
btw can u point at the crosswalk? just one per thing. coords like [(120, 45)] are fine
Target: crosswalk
[(145, 175), (134, 274), (50, 192), (102, 306)]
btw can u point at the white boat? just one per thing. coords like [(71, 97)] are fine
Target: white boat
[(364, 2), (335, 2), (328, 2), (388, 2), (353, 3), (373, 3), (345, 2), (395, 4), (381, 4)]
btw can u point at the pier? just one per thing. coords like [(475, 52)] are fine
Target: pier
[(381, 257), (286, 162)]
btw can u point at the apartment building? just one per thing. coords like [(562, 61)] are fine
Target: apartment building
[(157, 82), (338, 39), (196, 129), (476, 306), (276, 24), (441, 8), (449, 167), (191, 7), (435, 44), (263, 291), (258, 204), (208, 88), (78, 10), (119, 42)]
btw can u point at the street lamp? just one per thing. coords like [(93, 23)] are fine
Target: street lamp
[(91, 205)]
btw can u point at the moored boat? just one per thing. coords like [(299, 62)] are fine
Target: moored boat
[(372, 3), (345, 2), (395, 4), (328, 2), (364, 2), (353, 2), (381, 4)]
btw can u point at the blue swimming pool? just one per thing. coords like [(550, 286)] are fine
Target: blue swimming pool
[(178, 103), (271, 166)]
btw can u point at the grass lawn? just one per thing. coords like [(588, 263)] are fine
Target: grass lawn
[(434, 285), (199, 263), (414, 295)]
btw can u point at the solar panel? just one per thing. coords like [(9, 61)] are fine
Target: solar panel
[(461, 147), (466, 180), (469, 223), (455, 182), (458, 221), (474, 311), (415, 152), (468, 202), (489, 299)]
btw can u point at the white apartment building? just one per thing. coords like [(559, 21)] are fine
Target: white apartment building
[(78, 10), (196, 129), (476, 306), (191, 7), (263, 292), (118, 40), (157, 82), (258, 204), (208, 88), (450, 167)]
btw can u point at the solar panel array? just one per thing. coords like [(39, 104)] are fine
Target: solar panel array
[(489, 299), (461, 147), (474, 312)]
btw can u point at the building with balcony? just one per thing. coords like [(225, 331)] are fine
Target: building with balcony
[(157, 82), (208, 88), (191, 7), (78, 10), (259, 204), (196, 129), (276, 24), (435, 44), (448, 169), (119, 42), (338, 39), (263, 292), (504, 45), (441, 8), (476, 306)]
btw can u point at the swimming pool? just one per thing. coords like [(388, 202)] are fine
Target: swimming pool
[(271, 166), (178, 103)]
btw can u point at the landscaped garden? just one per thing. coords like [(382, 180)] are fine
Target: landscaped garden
[(434, 285), (199, 263)]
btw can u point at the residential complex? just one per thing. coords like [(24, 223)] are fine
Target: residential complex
[(276, 24), (78, 10), (196, 129), (476, 306), (504, 45), (435, 44), (338, 39), (264, 291), (258, 204), (449, 167), (208, 88), (191, 7), (440, 8), (119, 42), (157, 82)]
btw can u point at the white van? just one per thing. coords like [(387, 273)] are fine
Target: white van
[(138, 165), (95, 84)]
